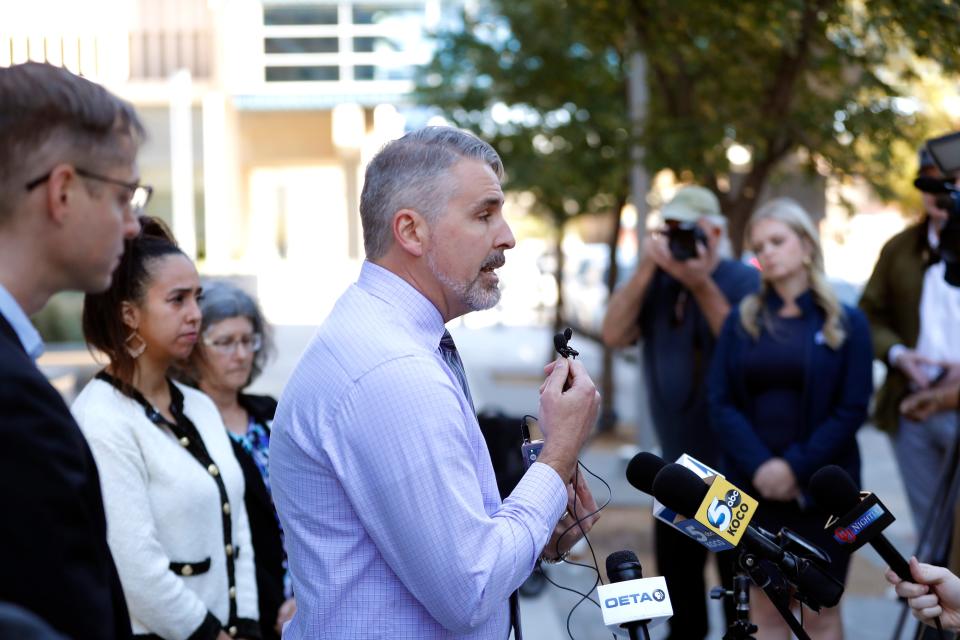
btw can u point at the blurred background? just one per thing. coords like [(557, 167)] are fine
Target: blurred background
[(262, 115)]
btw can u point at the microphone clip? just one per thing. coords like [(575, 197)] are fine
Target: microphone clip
[(560, 343)]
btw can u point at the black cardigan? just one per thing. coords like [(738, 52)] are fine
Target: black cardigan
[(265, 532)]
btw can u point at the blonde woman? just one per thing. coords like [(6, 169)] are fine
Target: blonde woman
[(788, 389)]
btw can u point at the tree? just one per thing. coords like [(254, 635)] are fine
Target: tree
[(823, 81), (552, 100), (507, 75)]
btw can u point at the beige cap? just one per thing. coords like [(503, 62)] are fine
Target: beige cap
[(690, 204)]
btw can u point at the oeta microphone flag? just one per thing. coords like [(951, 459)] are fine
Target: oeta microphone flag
[(646, 599)]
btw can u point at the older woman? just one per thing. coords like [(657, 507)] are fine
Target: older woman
[(172, 489), (232, 351), (788, 389)]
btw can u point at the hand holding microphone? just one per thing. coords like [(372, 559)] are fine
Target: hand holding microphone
[(566, 415), (931, 592), (860, 520)]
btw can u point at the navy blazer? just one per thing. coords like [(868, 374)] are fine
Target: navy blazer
[(53, 531), (836, 394)]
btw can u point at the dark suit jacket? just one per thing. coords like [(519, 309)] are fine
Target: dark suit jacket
[(53, 533), (891, 302)]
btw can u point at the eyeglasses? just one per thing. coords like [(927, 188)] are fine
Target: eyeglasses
[(252, 343), (139, 193)]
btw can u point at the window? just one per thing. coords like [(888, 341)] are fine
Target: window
[(344, 40), (302, 74), (299, 14), (301, 45)]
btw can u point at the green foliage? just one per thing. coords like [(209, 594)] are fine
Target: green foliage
[(60, 318), (551, 101), (545, 82)]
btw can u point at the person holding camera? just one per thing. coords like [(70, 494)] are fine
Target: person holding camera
[(914, 316), (675, 303)]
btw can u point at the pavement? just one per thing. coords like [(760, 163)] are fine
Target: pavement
[(504, 368)]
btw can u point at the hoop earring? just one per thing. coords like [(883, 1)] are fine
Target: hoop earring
[(135, 345)]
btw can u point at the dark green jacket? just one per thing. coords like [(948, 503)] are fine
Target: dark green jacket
[(891, 302)]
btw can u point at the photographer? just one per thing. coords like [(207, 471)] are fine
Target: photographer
[(676, 302), (914, 316)]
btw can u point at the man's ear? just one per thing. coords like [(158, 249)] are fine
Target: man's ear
[(61, 190), (130, 314), (410, 231)]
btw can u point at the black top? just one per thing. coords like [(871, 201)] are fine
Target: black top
[(268, 551), (53, 530), (773, 370), (677, 348)]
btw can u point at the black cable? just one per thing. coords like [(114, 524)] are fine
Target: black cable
[(578, 522)]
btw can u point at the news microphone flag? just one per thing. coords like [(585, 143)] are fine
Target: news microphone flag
[(726, 510), (646, 599), (688, 526)]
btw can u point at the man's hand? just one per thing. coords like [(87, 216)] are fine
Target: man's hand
[(566, 416), (936, 592), (920, 405), (774, 479), (567, 532), (693, 273), (912, 364), (951, 374), (286, 611)]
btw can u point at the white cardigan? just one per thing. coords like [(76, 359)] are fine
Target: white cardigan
[(163, 506)]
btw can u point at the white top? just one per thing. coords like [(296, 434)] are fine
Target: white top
[(939, 338), (163, 506)]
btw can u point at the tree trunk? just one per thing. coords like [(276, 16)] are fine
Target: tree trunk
[(608, 414), (558, 276)]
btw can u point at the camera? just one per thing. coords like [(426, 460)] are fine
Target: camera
[(945, 152), (683, 238)]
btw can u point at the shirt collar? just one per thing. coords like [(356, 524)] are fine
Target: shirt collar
[(28, 335), (805, 301), (386, 285)]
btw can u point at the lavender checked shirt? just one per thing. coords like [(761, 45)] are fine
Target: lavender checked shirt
[(384, 486)]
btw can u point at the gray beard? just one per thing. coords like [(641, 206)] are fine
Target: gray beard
[(474, 295)]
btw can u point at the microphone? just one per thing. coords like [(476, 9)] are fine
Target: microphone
[(631, 601), (865, 517), (641, 472), (681, 490), (933, 185), (643, 469)]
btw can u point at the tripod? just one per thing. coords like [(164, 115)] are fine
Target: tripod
[(935, 533), (741, 628), (778, 592)]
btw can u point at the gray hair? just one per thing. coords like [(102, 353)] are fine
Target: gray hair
[(412, 173), (223, 300)]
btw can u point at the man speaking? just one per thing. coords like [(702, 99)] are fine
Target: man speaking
[(393, 523)]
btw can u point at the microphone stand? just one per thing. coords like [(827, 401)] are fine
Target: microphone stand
[(637, 630), (776, 593), (741, 628)]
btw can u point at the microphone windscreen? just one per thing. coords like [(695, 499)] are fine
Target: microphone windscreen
[(643, 469), (559, 343), (834, 490), (623, 565), (679, 489)]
